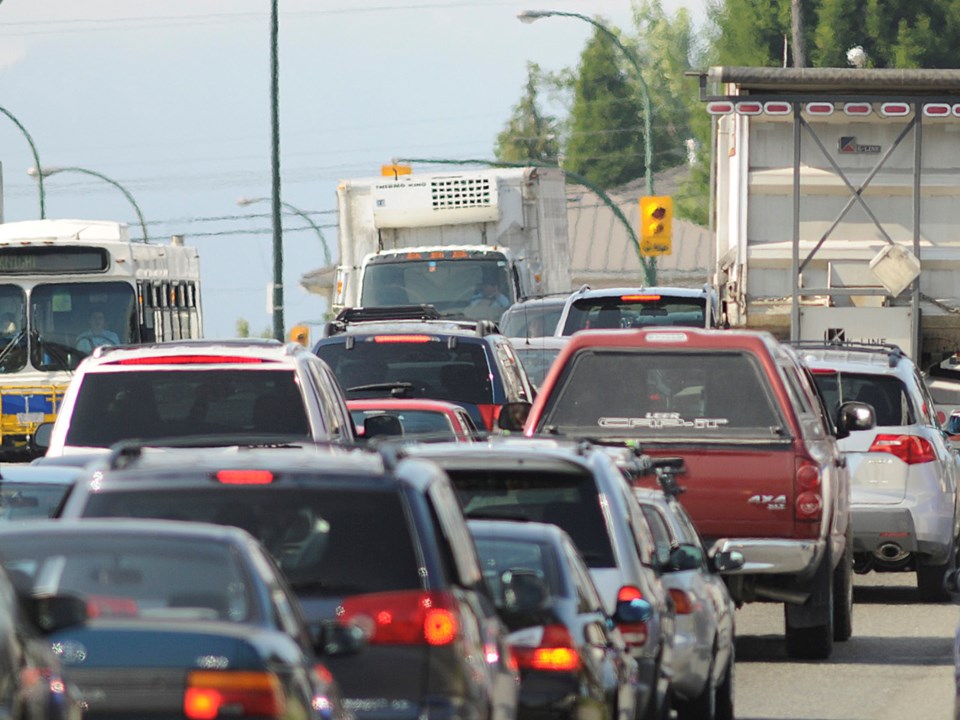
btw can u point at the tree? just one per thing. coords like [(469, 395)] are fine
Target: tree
[(606, 121), (529, 133), (242, 328)]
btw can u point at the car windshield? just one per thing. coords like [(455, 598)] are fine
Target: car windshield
[(566, 497), (133, 576), (326, 540), (26, 500), (536, 360), (634, 311), (114, 406), (531, 319), (411, 365), (663, 395), (886, 393)]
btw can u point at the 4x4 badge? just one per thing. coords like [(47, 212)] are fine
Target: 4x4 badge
[(773, 502)]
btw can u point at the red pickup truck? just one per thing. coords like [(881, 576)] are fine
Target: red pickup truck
[(763, 475)]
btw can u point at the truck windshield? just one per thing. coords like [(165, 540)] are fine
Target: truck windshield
[(663, 395), (633, 311), (477, 288)]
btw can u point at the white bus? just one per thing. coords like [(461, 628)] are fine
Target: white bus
[(67, 286)]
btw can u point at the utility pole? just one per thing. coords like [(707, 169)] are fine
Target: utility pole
[(796, 28)]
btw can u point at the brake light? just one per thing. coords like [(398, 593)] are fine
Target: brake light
[(192, 360), (683, 603), (236, 693), (403, 618), (244, 477), (110, 606), (912, 449), (489, 414), (634, 634), (554, 652), (823, 371), (401, 338), (639, 298), (808, 504)]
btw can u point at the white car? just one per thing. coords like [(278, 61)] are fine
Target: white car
[(636, 307), (703, 643), (903, 471)]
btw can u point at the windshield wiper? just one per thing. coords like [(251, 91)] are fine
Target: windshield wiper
[(54, 350), (14, 341)]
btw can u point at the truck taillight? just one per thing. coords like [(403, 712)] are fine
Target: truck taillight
[(554, 652), (238, 694), (912, 449), (808, 503), (404, 618)]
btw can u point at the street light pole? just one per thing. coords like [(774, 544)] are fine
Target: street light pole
[(275, 174), (36, 157), (42, 172), (244, 201)]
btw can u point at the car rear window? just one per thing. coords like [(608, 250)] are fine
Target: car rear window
[(116, 406), (886, 393), (326, 540), (634, 311), (416, 364), (499, 555), (567, 499), (659, 395), (414, 422)]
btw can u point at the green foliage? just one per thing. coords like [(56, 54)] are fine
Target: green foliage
[(606, 133), (529, 133), (242, 328)]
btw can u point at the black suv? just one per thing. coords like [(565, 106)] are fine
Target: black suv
[(362, 540), (409, 351)]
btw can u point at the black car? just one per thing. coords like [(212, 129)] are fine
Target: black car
[(362, 541), (182, 620), (412, 352), (572, 659)]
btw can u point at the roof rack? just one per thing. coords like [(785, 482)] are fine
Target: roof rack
[(893, 352), (390, 312)]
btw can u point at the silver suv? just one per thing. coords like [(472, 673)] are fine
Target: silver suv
[(903, 471), (209, 390)]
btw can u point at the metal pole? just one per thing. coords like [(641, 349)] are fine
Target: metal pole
[(915, 293), (795, 254), (278, 331), (36, 158)]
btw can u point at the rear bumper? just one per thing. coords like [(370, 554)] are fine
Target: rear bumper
[(771, 556), (878, 526)]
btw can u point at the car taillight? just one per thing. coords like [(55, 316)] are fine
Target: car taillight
[(634, 633), (683, 602), (191, 360), (220, 693), (403, 618), (554, 652), (909, 448), (489, 414), (808, 504), (244, 477)]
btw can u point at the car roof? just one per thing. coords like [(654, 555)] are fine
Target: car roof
[(513, 530), (534, 453), (673, 338), (872, 359), (127, 526), (656, 290), (40, 474), (549, 342), (464, 329), (234, 352)]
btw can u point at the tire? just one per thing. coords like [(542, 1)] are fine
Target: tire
[(724, 701), (809, 627), (843, 594), (660, 706), (930, 582), (702, 707)]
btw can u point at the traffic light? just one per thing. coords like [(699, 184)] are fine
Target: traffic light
[(656, 219)]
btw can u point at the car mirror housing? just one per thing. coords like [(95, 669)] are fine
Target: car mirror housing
[(685, 557), (513, 416), (727, 561), (41, 437), (854, 416), (332, 638), (52, 613)]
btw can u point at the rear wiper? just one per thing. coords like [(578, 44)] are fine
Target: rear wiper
[(397, 389), (485, 514), (327, 588)]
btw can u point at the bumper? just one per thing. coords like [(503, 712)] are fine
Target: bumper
[(877, 526), (770, 556)]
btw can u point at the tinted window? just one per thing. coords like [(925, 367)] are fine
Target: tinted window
[(497, 555), (634, 311), (414, 422), (127, 576), (662, 394), (662, 539), (569, 500), (536, 361), (886, 393), (425, 367), (531, 319), (21, 500), (336, 538), (165, 403)]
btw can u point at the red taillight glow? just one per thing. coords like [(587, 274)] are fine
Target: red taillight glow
[(808, 506), (912, 449), (808, 503), (109, 606), (240, 693), (634, 634), (808, 476), (823, 371), (192, 360), (683, 603), (404, 618), (489, 414), (555, 653), (639, 298), (244, 477), (401, 338)]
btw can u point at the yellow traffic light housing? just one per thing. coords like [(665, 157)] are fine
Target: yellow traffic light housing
[(656, 224)]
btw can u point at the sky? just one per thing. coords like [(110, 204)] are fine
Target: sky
[(171, 99)]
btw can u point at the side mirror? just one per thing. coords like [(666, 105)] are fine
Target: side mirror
[(637, 610), (685, 557), (524, 590), (331, 638), (382, 426), (40, 441), (513, 416), (727, 561), (853, 416), (52, 613)]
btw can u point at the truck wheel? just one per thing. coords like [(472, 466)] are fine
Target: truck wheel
[(843, 594), (809, 627)]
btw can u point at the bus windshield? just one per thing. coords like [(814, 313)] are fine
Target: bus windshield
[(477, 288), (13, 341)]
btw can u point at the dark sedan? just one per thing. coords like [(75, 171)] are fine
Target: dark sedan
[(183, 620), (573, 661)]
